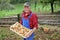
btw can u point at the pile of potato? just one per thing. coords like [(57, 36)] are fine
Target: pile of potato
[(19, 29)]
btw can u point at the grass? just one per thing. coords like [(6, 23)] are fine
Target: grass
[(19, 8), (6, 34), (47, 8)]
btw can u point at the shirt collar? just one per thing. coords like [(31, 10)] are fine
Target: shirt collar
[(24, 14)]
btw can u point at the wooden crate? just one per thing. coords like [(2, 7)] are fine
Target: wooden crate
[(20, 29)]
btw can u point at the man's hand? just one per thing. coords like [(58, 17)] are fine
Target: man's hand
[(29, 34)]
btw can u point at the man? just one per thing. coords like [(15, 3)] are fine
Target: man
[(29, 20)]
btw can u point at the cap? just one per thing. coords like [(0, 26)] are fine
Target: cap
[(27, 4)]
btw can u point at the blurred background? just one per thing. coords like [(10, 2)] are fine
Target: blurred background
[(48, 12), (12, 7)]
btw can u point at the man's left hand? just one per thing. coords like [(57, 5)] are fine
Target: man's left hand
[(29, 34)]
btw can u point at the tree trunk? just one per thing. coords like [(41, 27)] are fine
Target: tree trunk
[(35, 4), (52, 9)]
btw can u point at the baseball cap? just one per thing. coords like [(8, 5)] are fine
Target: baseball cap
[(26, 4)]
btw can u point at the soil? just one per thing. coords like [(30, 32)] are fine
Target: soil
[(52, 34)]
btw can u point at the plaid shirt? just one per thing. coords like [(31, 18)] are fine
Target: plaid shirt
[(33, 20)]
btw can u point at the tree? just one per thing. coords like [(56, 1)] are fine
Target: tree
[(51, 2), (5, 5), (18, 1)]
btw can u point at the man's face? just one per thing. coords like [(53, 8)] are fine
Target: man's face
[(26, 9)]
